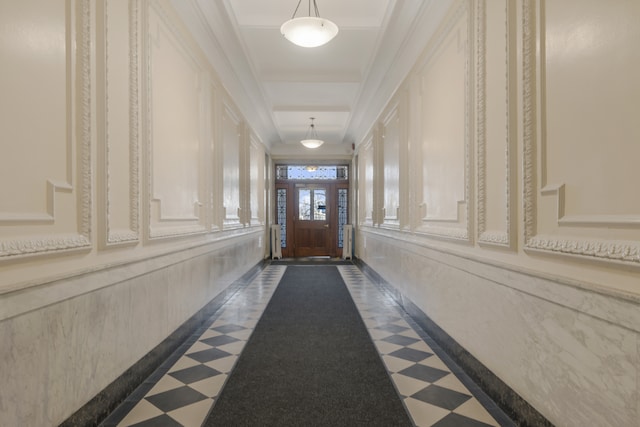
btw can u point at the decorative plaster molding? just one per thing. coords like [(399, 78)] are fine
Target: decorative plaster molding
[(79, 110), (426, 228), (10, 249), (49, 216), (500, 238), (614, 251), (131, 235), (183, 45)]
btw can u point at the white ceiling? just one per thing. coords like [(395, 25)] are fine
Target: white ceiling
[(343, 84)]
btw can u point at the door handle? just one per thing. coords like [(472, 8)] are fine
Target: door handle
[(326, 226)]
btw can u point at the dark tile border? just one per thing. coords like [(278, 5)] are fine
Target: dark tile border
[(483, 383), (122, 394)]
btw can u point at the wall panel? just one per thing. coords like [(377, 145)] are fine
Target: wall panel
[(445, 125), (580, 140), (117, 51), (45, 198), (496, 129), (176, 96)]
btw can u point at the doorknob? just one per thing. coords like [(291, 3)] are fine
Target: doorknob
[(326, 226)]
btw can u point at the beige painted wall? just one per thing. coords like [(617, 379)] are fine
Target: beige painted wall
[(522, 240), (115, 208)]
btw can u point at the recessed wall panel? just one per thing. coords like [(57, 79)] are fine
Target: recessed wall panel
[(579, 198), (45, 193), (175, 109), (445, 115), (117, 118)]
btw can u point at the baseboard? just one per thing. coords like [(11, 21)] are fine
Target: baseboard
[(518, 409), (105, 402)]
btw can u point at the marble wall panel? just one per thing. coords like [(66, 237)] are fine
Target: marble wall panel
[(561, 348), (66, 352), (568, 359)]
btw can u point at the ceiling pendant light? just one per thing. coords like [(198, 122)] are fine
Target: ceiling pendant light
[(311, 139), (309, 31)]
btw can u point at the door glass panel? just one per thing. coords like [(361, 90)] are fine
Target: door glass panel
[(282, 215), (304, 204), (319, 204), (342, 214)]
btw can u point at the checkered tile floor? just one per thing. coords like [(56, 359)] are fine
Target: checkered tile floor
[(184, 390)]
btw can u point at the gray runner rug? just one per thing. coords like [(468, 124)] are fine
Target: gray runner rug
[(309, 362)]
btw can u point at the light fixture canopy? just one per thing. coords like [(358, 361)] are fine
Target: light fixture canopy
[(309, 31), (311, 138)]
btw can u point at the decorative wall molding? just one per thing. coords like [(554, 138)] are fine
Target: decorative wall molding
[(502, 238), (428, 227), (161, 226), (232, 216), (79, 121), (111, 236), (614, 251), (389, 217)]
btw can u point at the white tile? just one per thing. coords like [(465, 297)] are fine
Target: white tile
[(224, 364), (192, 415), (210, 387), (183, 363), (407, 386), (453, 383), (167, 382), (386, 347), (395, 364), (424, 414), (141, 412), (473, 409)]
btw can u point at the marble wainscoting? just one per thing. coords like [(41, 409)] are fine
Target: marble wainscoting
[(64, 343), (570, 353)]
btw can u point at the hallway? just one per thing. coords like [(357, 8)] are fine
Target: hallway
[(434, 391)]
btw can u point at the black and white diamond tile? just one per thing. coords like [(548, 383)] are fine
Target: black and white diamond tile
[(432, 394), (185, 394)]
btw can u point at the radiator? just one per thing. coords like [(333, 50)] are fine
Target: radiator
[(276, 248), (347, 241)]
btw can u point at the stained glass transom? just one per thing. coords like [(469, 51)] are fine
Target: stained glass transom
[(312, 172)]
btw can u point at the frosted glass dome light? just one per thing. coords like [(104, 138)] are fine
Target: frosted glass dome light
[(309, 31)]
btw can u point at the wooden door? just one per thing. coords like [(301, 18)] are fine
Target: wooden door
[(313, 220)]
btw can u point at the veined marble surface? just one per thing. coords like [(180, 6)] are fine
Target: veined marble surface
[(63, 343), (572, 353)]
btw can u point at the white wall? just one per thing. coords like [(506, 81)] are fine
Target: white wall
[(114, 224), (521, 236)]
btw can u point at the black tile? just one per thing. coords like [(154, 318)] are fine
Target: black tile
[(208, 355), (225, 329), (411, 354), (400, 340), (392, 328), (441, 397), (455, 420), (424, 373), (163, 420), (177, 398), (194, 373), (219, 340)]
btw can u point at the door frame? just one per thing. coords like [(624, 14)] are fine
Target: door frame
[(290, 186)]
